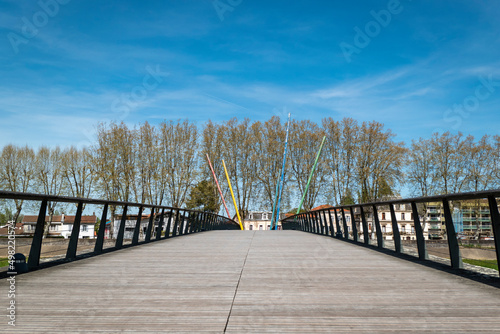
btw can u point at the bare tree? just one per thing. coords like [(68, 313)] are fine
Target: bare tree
[(212, 143), (421, 172), (269, 145), (78, 170), (16, 172), (449, 162), (340, 156), (179, 142), (114, 159), (379, 162), (305, 140), (241, 160), (49, 178)]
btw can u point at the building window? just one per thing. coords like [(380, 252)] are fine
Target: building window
[(250, 227), (383, 229), (70, 228), (403, 230), (383, 216), (261, 227), (84, 228), (402, 216)]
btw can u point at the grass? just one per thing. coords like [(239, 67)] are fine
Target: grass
[(483, 263), (4, 262), (476, 246)]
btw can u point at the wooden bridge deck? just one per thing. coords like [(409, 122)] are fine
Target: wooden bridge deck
[(250, 282)]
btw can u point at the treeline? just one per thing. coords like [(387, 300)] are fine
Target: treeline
[(161, 164)]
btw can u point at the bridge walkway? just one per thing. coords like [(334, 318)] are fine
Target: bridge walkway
[(250, 282)]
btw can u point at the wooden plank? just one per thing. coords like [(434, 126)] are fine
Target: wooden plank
[(193, 283)]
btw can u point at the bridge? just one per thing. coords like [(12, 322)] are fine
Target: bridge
[(210, 278)]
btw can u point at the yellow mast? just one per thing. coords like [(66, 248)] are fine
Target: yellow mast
[(232, 194)]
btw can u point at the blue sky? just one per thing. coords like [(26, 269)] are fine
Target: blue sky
[(424, 66)]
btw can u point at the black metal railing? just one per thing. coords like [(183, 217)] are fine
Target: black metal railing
[(321, 222), (179, 221)]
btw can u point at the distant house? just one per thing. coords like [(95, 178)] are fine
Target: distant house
[(130, 222), (4, 230), (259, 220), (62, 225)]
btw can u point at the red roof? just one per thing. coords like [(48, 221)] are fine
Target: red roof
[(59, 219), (321, 207)]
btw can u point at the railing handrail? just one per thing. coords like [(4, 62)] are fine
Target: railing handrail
[(180, 221), (312, 221), (435, 198), (68, 199)]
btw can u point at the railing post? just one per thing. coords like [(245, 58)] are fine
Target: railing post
[(150, 225), (338, 233), (366, 233), (495, 223), (208, 222), (422, 251), (332, 231), (198, 221), (327, 224), (202, 222), (169, 223), (310, 222), (159, 229), (102, 231), (135, 237), (121, 231), (192, 220), (319, 221), (36, 243), (395, 230), (322, 222), (73, 241), (181, 223), (353, 225), (455, 257), (378, 229), (346, 228), (319, 226), (174, 232), (316, 224), (186, 222)]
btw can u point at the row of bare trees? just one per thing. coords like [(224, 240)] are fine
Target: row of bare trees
[(161, 164)]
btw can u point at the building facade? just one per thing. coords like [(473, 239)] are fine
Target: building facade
[(260, 220), (62, 226)]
